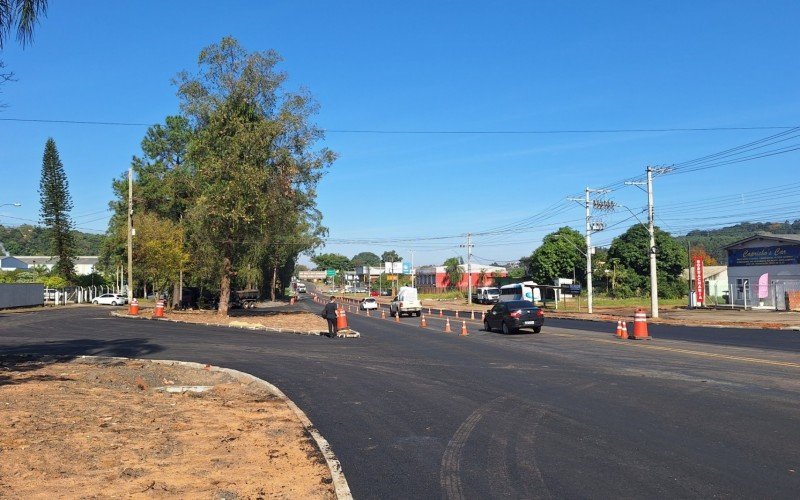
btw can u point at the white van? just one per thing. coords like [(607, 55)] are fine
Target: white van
[(527, 290), (486, 295), (406, 302), (301, 288)]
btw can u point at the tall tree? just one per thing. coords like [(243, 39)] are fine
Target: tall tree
[(19, 16), (54, 213), (561, 254), (252, 154), (391, 256), (331, 261), (631, 249)]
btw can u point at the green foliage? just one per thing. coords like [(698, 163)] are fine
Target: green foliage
[(34, 240), (561, 254), (365, 259), (55, 282), (391, 256), (331, 261), (94, 279), (631, 251), (55, 206), (453, 272)]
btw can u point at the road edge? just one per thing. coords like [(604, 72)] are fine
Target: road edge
[(340, 485)]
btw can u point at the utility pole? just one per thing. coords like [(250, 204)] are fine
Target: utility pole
[(413, 276), (469, 267), (651, 228), (592, 227), (130, 233)]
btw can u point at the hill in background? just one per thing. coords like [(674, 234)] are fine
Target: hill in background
[(715, 240), (32, 240)]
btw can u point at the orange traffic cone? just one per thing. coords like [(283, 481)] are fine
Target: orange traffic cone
[(624, 334), (397, 317), (429, 311), (441, 313), (383, 313), (640, 325), (447, 327), (422, 322), (472, 315), (483, 315), (464, 329), (619, 329), (341, 320), (456, 314)]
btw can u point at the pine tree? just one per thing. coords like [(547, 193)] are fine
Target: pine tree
[(56, 204)]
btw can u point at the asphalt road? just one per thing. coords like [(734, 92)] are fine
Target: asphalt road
[(416, 413)]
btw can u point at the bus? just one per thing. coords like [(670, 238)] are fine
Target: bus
[(527, 290)]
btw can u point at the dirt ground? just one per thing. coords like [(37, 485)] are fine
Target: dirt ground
[(109, 429), (286, 320)]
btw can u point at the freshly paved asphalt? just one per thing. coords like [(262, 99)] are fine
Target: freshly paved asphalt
[(416, 413)]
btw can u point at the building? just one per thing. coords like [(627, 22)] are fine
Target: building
[(84, 264), (763, 270), (433, 279), (9, 263), (716, 283)]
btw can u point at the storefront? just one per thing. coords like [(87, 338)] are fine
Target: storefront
[(762, 269)]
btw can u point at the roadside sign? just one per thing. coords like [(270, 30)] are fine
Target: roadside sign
[(406, 268), (391, 277), (330, 272), (699, 281)]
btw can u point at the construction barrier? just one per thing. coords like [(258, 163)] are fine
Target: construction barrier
[(341, 319), (159, 310), (133, 309), (464, 329), (640, 325), (447, 326)]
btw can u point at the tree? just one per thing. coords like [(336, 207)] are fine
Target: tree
[(19, 16), (391, 256), (453, 271), (55, 206), (255, 172), (365, 259), (561, 254), (331, 261), (631, 249), (699, 252), (158, 253)]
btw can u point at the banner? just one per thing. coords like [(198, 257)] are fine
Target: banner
[(699, 281), (763, 286)]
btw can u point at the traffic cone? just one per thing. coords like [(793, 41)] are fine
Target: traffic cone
[(456, 314), (483, 315), (397, 317), (341, 320), (447, 327), (640, 325), (383, 313), (422, 322), (624, 334), (429, 311), (464, 329), (619, 328), (472, 315), (441, 313)]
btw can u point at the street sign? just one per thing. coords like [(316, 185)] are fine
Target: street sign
[(406, 268), (330, 272), (391, 277)]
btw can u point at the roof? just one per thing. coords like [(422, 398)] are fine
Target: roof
[(9, 262), (763, 235), (709, 272), (43, 260)]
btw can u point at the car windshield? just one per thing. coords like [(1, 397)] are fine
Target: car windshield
[(369, 300), (519, 304), (493, 291)]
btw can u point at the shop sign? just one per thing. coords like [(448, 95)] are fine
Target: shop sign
[(764, 256)]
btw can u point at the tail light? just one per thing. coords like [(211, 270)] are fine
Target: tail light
[(539, 312), (516, 314)]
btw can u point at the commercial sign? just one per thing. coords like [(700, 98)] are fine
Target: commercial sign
[(406, 268), (699, 281), (393, 267), (764, 256)]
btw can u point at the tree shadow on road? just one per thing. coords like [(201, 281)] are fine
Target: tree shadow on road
[(30, 357)]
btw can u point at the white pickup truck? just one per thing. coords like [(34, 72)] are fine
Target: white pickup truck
[(406, 303)]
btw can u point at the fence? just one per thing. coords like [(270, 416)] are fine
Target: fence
[(746, 293), (77, 295)]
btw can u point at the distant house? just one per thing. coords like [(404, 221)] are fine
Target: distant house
[(715, 279), (764, 269), (9, 263), (84, 264)]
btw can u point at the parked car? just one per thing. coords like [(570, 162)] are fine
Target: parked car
[(368, 303), (110, 299), (486, 295), (301, 288), (386, 293), (513, 315), (374, 293)]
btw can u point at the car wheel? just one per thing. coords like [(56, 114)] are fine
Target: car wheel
[(392, 313), (113, 302), (537, 329), (506, 330), (95, 302), (486, 326), (419, 313)]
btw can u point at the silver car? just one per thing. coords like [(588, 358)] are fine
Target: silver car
[(111, 299)]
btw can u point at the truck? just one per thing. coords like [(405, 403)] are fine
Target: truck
[(406, 303), (486, 295)]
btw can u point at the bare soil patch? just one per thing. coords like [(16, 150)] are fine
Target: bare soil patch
[(284, 320), (106, 430)]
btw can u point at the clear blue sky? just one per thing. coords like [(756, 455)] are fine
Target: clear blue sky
[(439, 66)]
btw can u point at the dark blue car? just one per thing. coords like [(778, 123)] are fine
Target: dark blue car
[(511, 316)]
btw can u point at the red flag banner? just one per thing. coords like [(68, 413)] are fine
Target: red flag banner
[(699, 281)]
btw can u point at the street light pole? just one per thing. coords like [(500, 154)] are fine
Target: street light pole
[(651, 228)]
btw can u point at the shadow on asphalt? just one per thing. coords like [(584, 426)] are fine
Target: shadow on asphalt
[(27, 357)]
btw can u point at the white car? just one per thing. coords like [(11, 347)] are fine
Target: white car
[(113, 299), (368, 303)]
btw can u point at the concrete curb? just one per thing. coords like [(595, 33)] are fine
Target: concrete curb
[(340, 486), (352, 334)]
